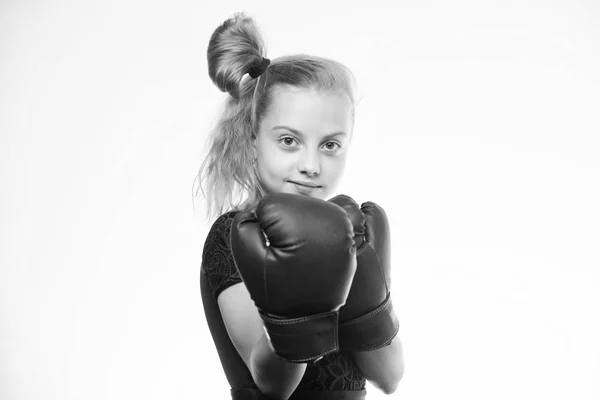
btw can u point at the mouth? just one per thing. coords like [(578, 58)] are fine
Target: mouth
[(305, 185)]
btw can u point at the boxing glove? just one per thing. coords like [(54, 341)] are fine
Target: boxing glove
[(368, 320), (297, 257)]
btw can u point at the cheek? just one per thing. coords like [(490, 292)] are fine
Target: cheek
[(275, 165), (274, 161), (336, 166)]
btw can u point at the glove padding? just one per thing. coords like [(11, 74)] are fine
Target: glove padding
[(367, 320), (297, 257)]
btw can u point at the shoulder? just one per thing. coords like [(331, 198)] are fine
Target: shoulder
[(218, 264), (220, 229), (224, 221)]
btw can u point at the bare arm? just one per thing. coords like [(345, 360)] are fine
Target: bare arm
[(383, 367), (273, 376)]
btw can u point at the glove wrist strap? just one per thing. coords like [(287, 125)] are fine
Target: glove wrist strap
[(371, 331), (303, 340)]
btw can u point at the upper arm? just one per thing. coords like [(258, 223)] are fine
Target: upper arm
[(383, 367), (241, 319), (240, 315)]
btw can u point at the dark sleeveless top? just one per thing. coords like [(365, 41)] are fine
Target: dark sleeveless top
[(336, 371)]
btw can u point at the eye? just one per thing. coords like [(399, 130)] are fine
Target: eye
[(335, 144), (287, 141)]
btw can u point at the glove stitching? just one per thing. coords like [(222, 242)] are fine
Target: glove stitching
[(302, 319), (384, 222), (386, 343), (314, 358), (381, 269), (320, 316), (381, 345), (370, 315), (266, 292)]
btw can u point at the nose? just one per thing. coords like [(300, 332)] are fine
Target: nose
[(310, 164)]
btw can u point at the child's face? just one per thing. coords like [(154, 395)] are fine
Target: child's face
[(304, 139)]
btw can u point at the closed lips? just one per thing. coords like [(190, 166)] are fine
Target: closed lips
[(305, 184)]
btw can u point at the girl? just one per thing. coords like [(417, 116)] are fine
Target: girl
[(286, 128)]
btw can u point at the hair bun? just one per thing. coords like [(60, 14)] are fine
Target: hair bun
[(233, 46)]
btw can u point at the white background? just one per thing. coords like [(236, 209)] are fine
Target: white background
[(478, 131)]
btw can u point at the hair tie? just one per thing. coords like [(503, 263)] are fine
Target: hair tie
[(259, 68)]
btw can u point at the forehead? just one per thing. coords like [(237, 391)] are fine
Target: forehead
[(306, 107)]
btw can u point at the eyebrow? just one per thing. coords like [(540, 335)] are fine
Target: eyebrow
[(297, 132)]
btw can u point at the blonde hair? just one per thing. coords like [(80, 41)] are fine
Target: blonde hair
[(228, 176)]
